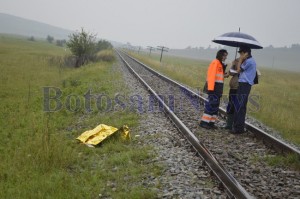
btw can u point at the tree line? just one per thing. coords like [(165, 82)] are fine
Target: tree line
[(82, 44)]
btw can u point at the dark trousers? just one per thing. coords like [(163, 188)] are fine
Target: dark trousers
[(241, 106), (212, 105), (230, 106), (211, 108)]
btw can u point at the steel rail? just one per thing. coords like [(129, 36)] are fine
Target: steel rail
[(268, 139), (235, 190)]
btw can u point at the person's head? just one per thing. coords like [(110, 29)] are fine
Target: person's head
[(222, 55), (244, 49)]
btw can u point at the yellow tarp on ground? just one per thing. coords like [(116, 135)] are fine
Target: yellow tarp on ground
[(101, 132)]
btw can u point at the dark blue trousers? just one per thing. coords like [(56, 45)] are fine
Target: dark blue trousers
[(211, 109), (241, 106), (230, 106), (212, 105)]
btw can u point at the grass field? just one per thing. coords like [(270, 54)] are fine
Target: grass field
[(277, 104), (40, 157)]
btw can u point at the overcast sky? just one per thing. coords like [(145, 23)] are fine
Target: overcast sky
[(172, 23)]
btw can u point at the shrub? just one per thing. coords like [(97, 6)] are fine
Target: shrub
[(106, 55), (50, 39), (31, 38), (103, 45), (82, 45), (61, 42)]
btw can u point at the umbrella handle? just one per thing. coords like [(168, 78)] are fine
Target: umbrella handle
[(236, 49), (235, 53)]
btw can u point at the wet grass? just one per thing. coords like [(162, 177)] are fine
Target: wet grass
[(292, 161), (40, 157)]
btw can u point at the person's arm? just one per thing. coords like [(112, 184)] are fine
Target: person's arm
[(242, 58), (226, 75), (233, 66)]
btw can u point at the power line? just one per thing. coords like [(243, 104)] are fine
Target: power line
[(162, 49), (150, 48)]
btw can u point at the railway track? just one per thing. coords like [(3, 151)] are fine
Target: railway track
[(240, 173)]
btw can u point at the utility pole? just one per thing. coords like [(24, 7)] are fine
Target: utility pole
[(150, 48), (162, 49), (139, 50)]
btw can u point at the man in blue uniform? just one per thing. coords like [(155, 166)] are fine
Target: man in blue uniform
[(246, 68)]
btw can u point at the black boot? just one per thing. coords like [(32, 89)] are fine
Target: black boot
[(229, 121), (213, 126), (204, 125)]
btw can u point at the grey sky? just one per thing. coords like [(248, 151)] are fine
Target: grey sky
[(173, 23)]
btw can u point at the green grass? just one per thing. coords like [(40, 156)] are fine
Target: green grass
[(40, 157), (278, 91), (291, 160), (279, 102)]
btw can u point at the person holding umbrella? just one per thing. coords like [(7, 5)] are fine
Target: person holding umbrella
[(214, 81), (246, 68)]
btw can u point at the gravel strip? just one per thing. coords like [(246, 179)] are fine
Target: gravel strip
[(183, 176)]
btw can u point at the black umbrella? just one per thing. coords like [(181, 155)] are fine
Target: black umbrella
[(237, 39)]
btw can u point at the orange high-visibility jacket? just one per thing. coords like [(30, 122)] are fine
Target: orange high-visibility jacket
[(215, 74)]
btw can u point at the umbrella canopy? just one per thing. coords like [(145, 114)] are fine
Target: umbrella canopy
[(236, 39)]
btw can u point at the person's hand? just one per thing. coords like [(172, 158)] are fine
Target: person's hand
[(226, 75), (244, 56), (235, 62)]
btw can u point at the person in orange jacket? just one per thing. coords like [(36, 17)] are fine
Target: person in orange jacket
[(215, 82)]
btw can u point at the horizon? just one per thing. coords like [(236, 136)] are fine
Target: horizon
[(215, 46), (271, 56), (174, 24)]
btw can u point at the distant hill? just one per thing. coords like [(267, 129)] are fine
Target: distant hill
[(10, 24)]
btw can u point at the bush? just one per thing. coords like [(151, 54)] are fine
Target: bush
[(106, 55), (66, 61), (61, 42), (82, 46), (103, 45), (50, 39), (31, 38)]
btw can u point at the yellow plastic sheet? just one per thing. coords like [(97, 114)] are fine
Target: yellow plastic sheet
[(102, 132)]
